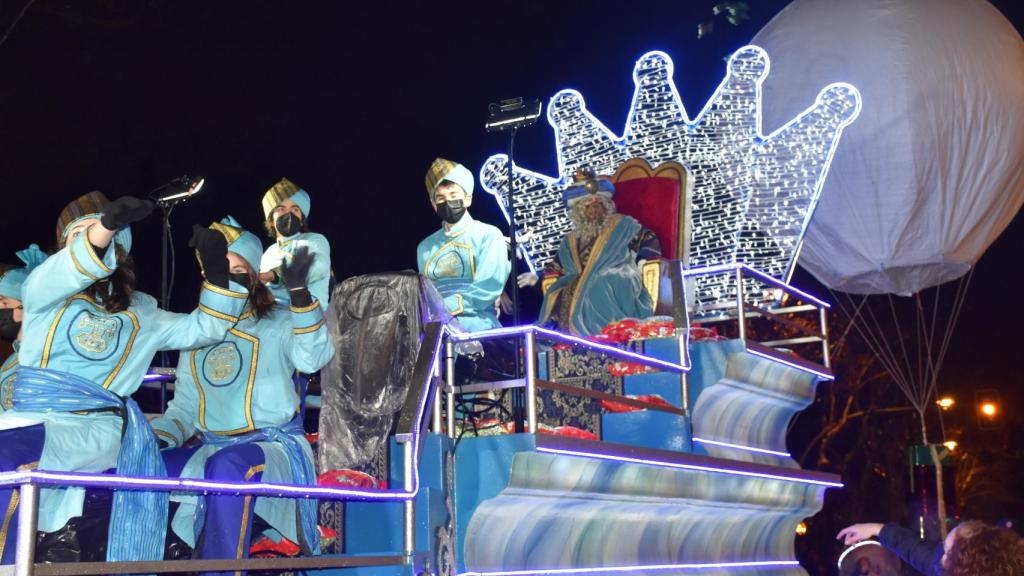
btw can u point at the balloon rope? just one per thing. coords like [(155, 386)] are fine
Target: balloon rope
[(958, 306), (924, 349), (875, 342), (916, 399), (922, 327), (935, 322), (853, 317), (873, 339), (901, 378), (884, 353)]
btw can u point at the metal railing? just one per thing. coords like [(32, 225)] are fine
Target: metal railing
[(530, 381), (741, 310), (674, 280), (413, 422)]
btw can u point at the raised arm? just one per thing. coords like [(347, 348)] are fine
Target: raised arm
[(308, 344), (86, 259), (71, 270), (220, 302)]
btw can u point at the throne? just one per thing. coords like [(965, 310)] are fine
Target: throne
[(659, 198)]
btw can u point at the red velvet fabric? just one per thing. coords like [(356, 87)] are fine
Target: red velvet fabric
[(654, 202)]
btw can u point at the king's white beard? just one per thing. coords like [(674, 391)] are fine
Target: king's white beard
[(588, 229)]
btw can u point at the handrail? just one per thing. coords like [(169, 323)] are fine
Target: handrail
[(413, 422), (587, 392), (556, 336), (788, 288), (162, 484), (177, 566), (415, 415), (769, 315), (743, 310), (530, 380), (415, 411)]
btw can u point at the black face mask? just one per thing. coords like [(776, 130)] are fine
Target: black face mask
[(288, 224), (8, 327), (451, 211), (241, 278)]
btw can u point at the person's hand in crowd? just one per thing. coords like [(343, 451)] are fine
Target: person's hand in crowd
[(858, 532)]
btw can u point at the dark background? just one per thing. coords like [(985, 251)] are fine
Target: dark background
[(352, 101)]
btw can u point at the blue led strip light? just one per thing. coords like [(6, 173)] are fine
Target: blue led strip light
[(685, 466), (655, 567), (569, 339), (741, 447), (54, 478)]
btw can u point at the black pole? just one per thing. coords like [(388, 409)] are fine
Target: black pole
[(514, 244), (165, 290), (518, 394), (511, 114), (164, 241)]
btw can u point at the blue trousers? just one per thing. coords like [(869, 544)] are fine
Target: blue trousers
[(18, 447), (228, 525)]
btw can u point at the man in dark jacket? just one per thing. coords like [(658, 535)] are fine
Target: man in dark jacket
[(926, 558)]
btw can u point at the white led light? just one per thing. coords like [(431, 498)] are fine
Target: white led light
[(753, 194)]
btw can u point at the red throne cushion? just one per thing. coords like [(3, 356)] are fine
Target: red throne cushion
[(654, 202)]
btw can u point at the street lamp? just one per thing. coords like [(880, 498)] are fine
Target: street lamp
[(946, 402), (988, 403), (950, 445)]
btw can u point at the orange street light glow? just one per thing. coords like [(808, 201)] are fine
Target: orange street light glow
[(988, 409), (945, 403)]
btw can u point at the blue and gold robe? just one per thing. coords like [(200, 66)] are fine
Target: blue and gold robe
[(7, 370), (66, 330), (469, 266), (240, 385), (319, 279), (600, 283)]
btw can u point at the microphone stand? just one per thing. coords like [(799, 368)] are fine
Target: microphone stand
[(182, 189), (165, 242), (513, 241), (511, 115), (165, 285), (185, 188), (518, 394)]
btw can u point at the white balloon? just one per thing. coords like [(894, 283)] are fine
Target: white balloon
[(933, 169)]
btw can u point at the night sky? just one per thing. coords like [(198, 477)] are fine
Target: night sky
[(352, 101)]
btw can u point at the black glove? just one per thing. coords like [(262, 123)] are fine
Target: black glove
[(124, 211), (295, 272), (212, 248)]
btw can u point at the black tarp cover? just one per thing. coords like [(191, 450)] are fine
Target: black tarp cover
[(375, 322)]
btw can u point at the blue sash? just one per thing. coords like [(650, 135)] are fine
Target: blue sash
[(290, 436), (138, 519)]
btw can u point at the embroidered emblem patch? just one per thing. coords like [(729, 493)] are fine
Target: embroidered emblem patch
[(222, 364), (7, 392), (448, 265), (95, 337)]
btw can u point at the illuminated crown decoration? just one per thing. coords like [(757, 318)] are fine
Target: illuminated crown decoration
[(753, 195)]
